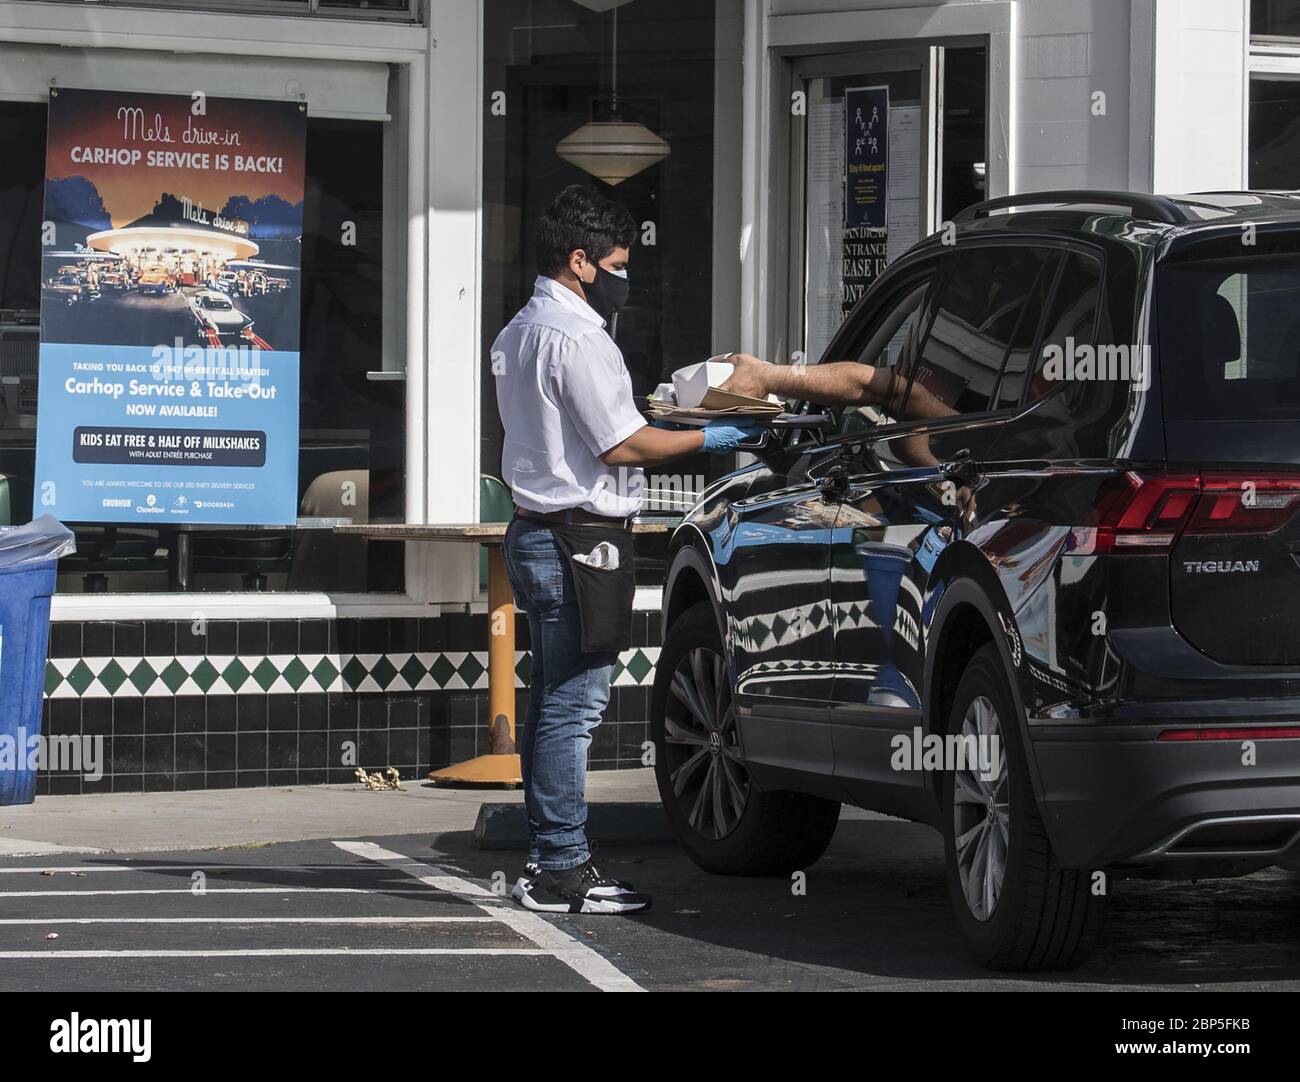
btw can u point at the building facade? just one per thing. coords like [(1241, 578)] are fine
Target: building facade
[(251, 656)]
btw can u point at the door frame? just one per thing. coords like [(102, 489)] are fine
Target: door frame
[(925, 58), (772, 44)]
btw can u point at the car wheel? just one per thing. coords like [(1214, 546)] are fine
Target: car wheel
[(1018, 909), (724, 822)]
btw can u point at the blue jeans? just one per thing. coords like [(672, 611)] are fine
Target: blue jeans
[(567, 693)]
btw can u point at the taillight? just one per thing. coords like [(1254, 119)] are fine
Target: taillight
[(1244, 503), (1147, 513), (1140, 513)]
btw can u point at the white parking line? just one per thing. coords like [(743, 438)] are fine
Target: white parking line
[(41, 869), (577, 956), (273, 952), (549, 940), (208, 890), (246, 920)]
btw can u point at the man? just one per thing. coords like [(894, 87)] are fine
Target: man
[(574, 447)]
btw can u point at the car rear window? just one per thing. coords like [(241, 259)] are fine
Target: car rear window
[(1228, 331)]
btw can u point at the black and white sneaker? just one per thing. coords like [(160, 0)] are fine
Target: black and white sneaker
[(531, 872), (579, 890)]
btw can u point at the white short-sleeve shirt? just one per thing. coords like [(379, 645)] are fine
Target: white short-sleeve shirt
[(565, 398)]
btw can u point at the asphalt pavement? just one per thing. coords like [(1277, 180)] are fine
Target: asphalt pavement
[(425, 910)]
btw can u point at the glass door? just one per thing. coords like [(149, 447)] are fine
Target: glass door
[(864, 178)]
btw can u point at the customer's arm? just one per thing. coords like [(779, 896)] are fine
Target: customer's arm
[(835, 383)]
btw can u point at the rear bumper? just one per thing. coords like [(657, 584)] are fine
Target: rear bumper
[(1117, 795)]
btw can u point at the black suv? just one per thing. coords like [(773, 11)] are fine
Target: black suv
[(1064, 546)]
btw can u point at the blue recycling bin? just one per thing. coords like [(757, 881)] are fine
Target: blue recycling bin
[(29, 556)]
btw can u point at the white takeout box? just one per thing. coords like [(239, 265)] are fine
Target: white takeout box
[(665, 393), (694, 381), (694, 398)]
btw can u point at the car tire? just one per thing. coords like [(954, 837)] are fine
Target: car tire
[(1041, 916), (745, 831)]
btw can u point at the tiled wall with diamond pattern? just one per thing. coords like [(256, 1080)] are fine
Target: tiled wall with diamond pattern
[(256, 703)]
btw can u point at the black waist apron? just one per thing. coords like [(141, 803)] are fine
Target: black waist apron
[(604, 595)]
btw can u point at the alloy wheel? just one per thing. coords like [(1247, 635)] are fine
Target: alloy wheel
[(702, 749), (981, 812)]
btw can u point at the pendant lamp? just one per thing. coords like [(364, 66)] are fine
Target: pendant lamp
[(615, 149)]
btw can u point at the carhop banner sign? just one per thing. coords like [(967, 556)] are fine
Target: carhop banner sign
[(170, 273)]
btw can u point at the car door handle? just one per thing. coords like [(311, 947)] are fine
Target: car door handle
[(961, 468), (834, 483)]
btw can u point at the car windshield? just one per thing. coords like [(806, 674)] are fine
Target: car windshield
[(1229, 338), (217, 303)]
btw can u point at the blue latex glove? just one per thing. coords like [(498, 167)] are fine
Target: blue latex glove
[(725, 435)]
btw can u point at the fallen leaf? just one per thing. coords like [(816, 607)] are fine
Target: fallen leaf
[(378, 781)]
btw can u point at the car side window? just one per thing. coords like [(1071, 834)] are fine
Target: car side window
[(981, 307), (888, 346), (1072, 318), (1021, 355)]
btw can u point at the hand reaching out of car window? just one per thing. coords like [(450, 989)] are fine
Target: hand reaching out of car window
[(838, 383), (750, 376)]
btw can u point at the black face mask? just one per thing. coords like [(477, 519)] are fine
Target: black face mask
[(606, 293)]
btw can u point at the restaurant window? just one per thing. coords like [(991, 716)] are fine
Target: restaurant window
[(1274, 133), (669, 71), (408, 10), (1274, 18), (352, 415), (1273, 160)]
